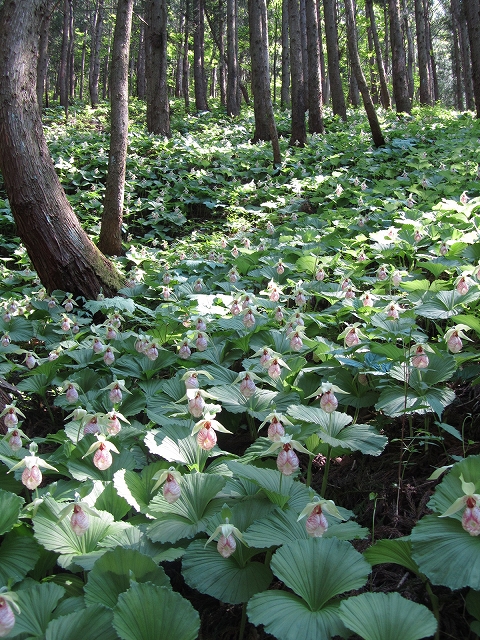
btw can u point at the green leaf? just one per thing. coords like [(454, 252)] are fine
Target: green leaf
[(276, 486), (288, 617), (319, 569), (136, 487), (176, 444), (223, 578), (36, 606), (10, 511), (18, 556), (397, 551), (149, 612), (83, 468), (387, 616), (113, 572), (73, 626)]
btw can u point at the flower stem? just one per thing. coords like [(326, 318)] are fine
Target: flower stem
[(243, 621), (325, 472), (308, 481)]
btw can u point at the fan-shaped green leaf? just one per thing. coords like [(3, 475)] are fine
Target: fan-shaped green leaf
[(387, 616), (288, 617), (112, 573), (36, 606), (223, 578), (397, 551), (83, 468), (90, 624), (148, 612), (136, 487), (318, 569), (178, 447), (11, 508), (130, 537), (275, 485), (18, 556)]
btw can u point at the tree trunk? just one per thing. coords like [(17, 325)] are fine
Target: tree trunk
[(186, 64), (233, 87), (382, 76), (265, 128), (378, 139), (60, 250), (110, 241), (304, 48), (141, 68), (62, 72), (42, 65), (472, 12), (426, 90), (200, 83), (315, 102), (298, 135), (331, 37), (82, 66), (410, 49), (71, 54), (285, 90), (94, 72), (466, 60), (222, 67), (399, 65), (158, 106)]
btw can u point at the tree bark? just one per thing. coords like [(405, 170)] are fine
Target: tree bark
[(472, 12), (265, 128), (158, 105), (94, 71), (233, 87), (315, 101), (285, 90), (141, 67), (62, 72), (378, 139), (298, 136), (110, 241), (426, 91), (42, 65), (331, 36), (60, 250), (199, 79), (410, 48), (399, 65), (382, 76)]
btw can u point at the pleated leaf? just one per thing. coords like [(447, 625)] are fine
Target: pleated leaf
[(451, 487), (86, 624), (396, 551), (207, 571), (130, 537), (136, 487), (178, 447), (387, 616), (148, 612), (18, 556), (36, 606), (275, 485), (10, 511), (288, 617), (446, 553), (318, 569), (84, 469), (112, 573)]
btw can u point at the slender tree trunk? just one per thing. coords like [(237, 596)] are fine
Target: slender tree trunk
[(304, 48), (331, 35), (426, 92), (315, 101), (472, 12), (110, 241), (222, 67), (158, 106), (60, 250), (410, 49), (285, 90), (179, 58), (71, 53), (372, 65), (62, 72), (377, 135), (94, 72), (200, 83), (42, 65), (466, 60), (233, 87), (298, 135), (186, 64), (399, 65), (456, 57), (323, 70), (82, 66), (431, 57), (265, 128), (141, 68)]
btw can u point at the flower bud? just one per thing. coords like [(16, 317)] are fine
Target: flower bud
[(280, 268), (276, 430), (249, 319), (31, 477), (328, 402), (7, 618), (30, 360), (420, 359), (287, 460), (247, 387), (316, 523), (15, 441), (113, 424), (92, 426), (278, 314), (320, 275), (274, 370), (196, 405), (71, 394), (79, 522), (296, 342), (152, 352), (454, 342), (171, 490), (235, 308), (226, 545), (108, 356), (352, 339), (184, 352), (206, 437), (471, 517), (201, 342), (97, 346), (115, 394), (10, 418), (111, 334), (102, 458)]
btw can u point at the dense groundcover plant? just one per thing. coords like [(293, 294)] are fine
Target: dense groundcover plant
[(183, 417)]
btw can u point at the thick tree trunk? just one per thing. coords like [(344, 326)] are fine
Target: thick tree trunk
[(472, 12), (94, 71), (186, 64), (331, 35), (158, 105), (399, 65), (410, 48), (377, 135), (265, 128), (315, 102), (110, 241), (222, 67), (199, 79), (233, 87), (285, 90), (382, 76), (61, 252), (466, 59), (426, 89), (298, 135)]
